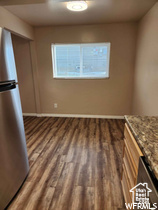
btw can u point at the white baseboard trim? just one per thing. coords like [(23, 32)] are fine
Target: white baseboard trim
[(75, 116), (30, 114)]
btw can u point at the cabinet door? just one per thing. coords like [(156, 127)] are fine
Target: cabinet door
[(133, 147), (126, 187)]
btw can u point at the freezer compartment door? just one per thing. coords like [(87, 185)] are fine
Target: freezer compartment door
[(7, 61), (14, 165)]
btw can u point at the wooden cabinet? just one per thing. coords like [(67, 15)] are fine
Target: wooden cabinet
[(131, 156)]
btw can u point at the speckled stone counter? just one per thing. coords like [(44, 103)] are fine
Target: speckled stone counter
[(145, 131)]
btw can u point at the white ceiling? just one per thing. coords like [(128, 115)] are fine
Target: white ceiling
[(99, 11)]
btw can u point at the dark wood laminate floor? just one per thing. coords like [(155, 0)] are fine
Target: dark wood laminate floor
[(74, 164)]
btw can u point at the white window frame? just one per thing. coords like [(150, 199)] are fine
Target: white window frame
[(107, 44)]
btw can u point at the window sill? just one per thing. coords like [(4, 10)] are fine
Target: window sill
[(80, 78)]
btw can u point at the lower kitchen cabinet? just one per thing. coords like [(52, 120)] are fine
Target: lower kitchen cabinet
[(131, 157)]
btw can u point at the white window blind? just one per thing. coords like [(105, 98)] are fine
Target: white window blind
[(81, 60)]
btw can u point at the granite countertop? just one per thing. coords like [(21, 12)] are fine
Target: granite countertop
[(145, 131)]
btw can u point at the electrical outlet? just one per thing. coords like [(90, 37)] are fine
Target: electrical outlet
[(55, 105)]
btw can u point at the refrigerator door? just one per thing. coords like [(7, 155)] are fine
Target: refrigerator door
[(7, 62), (14, 165)]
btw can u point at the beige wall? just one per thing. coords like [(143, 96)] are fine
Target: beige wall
[(15, 24), (145, 99), (25, 75), (97, 97), (26, 72)]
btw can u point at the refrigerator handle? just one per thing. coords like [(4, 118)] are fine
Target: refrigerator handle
[(6, 87), (8, 82)]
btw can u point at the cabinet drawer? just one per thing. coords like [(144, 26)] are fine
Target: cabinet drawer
[(132, 146), (126, 187), (131, 173)]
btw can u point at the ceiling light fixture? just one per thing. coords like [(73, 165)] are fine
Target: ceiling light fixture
[(77, 6)]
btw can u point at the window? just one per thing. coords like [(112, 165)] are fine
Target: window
[(81, 60)]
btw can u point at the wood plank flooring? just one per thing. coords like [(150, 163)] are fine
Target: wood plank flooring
[(75, 164)]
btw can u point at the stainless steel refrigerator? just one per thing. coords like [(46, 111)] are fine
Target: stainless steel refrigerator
[(14, 165)]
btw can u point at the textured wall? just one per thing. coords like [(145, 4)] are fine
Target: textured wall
[(24, 72), (15, 24), (145, 98), (97, 97)]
